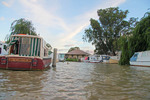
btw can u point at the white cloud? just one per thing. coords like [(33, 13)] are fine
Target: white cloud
[(2, 18), (42, 16), (5, 4), (48, 18), (34, 0), (69, 45), (8, 3), (82, 20)]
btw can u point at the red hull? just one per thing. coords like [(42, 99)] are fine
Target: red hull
[(24, 63)]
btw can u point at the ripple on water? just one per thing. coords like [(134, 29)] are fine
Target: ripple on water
[(77, 81)]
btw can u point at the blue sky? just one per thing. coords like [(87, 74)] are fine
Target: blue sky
[(62, 22)]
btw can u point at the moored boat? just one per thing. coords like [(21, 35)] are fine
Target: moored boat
[(113, 61), (140, 59), (26, 52), (105, 58), (93, 59)]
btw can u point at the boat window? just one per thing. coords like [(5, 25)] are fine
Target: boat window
[(45, 52), (29, 46), (0, 50), (5, 47), (25, 46), (135, 55)]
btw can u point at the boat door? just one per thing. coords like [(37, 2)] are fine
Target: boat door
[(0, 50)]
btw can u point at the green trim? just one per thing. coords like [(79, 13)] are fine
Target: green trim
[(13, 42), (39, 49), (30, 47), (20, 42), (33, 47), (36, 47), (13, 38)]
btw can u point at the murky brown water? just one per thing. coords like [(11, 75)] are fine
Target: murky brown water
[(77, 81)]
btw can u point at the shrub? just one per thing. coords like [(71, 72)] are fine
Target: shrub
[(71, 59)]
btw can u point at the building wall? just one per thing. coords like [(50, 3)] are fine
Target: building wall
[(75, 56)]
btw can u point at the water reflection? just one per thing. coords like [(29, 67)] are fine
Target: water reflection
[(77, 81), (118, 82), (20, 82)]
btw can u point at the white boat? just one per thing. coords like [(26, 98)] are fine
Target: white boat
[(61, 57), (140, 59), (26, 52), (3, 48), (93, 59)]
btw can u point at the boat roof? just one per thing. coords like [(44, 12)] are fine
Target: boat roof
[(77, 52), (143, 51), (24, 35)]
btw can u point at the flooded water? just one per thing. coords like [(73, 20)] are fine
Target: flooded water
[(77, 81)]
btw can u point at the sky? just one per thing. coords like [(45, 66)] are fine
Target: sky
[(62, 22)]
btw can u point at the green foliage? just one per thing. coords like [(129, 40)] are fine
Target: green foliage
[(136, 42), (49, 52), (142, 35), (124, 59), (22, 26), (71, 59), (73, 48), (7, 38), (49, 46), (105, 32)]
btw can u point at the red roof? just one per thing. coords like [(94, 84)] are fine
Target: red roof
[(77, 52)]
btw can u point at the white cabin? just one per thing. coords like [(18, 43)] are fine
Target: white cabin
[(28, 45), (3, 48), (140, 59)]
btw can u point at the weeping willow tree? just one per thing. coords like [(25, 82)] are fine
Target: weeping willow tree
[(124, 48), (136, 42), (22, 26)]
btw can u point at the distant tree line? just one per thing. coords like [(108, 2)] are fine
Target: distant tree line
[(73, 48)]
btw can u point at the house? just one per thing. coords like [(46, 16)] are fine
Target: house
[(76, 54)]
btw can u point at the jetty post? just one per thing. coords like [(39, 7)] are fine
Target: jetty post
[(54, 57)]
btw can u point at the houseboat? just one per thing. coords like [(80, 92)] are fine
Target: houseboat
[(140, 59), (3, 48), (26, 52)]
